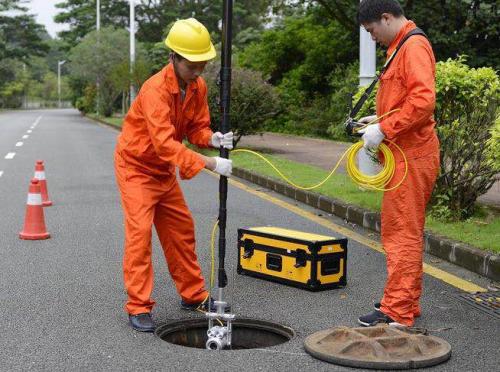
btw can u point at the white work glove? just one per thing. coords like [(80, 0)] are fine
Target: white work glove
[(367, 119), (222, 140), (372, 136), (223, 166)]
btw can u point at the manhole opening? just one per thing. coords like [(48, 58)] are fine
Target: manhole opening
[(247, 333)]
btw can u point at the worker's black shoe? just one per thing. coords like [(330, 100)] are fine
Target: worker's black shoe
[(142, 322), (377, 317), (203, 306)]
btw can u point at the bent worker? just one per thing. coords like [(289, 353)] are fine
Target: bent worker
[(171, 106), (409, 85)]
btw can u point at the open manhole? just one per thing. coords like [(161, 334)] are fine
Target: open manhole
[(380, 347), (246, 334)]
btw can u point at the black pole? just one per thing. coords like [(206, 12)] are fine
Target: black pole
[(225, 94)]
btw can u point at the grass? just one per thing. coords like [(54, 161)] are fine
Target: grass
[(481, 231), (113, 120)]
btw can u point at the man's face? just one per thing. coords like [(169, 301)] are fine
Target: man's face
[(188, 71), (381, 31)]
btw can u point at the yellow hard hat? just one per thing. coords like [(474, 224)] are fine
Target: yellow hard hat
[(190, 39)]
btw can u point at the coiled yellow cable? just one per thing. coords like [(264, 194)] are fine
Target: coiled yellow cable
[(376, 182)]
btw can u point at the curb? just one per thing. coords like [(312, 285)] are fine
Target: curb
[(473, 259)]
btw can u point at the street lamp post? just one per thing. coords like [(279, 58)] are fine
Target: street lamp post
[(59, 64), (367, 60), (98, 27), (132, 50)]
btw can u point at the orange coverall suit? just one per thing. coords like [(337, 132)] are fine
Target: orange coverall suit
[(148, 151), (408, 84)]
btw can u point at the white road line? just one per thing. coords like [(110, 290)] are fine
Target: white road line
[(37, 121), (25, 136), (19, 144), (29, 131), (10, 155), (1, 172)]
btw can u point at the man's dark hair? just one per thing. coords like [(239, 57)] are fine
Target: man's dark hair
[(372, 10)]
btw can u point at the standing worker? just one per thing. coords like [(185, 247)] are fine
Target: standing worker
[(171, 106), (409, 85)]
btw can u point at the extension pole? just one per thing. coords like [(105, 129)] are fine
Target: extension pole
[(225, 94)]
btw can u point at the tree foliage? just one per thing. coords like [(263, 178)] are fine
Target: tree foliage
[(154, 16), (103, 56)]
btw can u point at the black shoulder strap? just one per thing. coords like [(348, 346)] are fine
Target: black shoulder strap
[(368, 91)]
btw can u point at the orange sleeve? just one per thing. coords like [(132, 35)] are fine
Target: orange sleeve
[(156, 111), (419, 103), (199, 132)]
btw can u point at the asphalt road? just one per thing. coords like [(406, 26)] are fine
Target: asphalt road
[(62, 299)]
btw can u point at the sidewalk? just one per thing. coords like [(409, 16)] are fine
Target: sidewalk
[(323, 154)]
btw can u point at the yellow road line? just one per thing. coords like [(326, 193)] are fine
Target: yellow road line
[(442, 275)]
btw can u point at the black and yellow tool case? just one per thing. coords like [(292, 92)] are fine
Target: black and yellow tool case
[(310, 261)]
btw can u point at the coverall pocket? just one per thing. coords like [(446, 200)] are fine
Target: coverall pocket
[(392, 85)]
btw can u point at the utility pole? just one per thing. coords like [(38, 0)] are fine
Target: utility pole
[(367, 58), (98, 27), (59, 64), (132, 50)]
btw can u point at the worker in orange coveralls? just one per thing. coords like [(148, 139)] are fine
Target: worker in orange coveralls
[(171, 106), (409, 85)]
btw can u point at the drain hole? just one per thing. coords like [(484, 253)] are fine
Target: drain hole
[(247, 333)]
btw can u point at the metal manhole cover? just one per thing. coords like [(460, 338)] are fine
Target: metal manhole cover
[(488, 302), (380, 347)]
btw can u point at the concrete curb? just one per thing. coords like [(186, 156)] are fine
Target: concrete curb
[(458, 253)]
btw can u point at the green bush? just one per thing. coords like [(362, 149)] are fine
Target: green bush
[(253, 101), (466, 112), (468, 127), (86, 103)]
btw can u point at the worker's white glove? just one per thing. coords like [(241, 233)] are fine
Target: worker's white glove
[(223, 166), (222, 140), (372, 136), (367, 119)]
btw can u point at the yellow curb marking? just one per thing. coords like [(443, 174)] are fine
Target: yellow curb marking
[(442, 275)]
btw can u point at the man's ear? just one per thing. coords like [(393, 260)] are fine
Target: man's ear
[(386, 18)]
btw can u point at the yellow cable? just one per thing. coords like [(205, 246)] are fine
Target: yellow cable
[(375, 182)]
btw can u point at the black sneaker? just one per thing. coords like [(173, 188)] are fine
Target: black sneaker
[(203, 306), (377, 317), (142, 322)]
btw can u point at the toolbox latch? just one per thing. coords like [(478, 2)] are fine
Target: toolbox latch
[(248, 248), (300, 259)]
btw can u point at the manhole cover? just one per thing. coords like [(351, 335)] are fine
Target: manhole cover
[(380, 347), (247, 333), (486, 301)]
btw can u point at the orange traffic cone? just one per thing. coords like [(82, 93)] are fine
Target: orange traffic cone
[(34, 222), (40, 176)]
